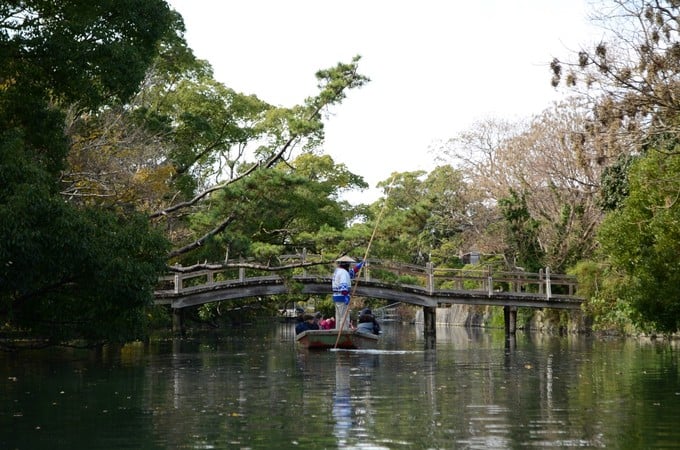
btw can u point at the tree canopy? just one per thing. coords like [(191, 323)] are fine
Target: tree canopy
[(70, 272)]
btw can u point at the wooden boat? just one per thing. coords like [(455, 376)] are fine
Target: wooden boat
[(326, 339)]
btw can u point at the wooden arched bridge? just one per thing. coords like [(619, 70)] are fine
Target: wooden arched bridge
[(426, 286)]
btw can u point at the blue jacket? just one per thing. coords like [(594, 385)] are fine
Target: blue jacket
[(342, 283), (304, 326)]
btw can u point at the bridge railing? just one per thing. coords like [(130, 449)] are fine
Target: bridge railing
[(433, 279), (484, 279), (184, 279)]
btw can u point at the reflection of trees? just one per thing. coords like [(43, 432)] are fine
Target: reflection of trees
[(257, 391), (487, 393), (473, 391), (224, 390), (648, 374)]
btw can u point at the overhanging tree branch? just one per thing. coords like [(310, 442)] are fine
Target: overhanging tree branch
[(197, 243), (333, 84), (206, 266), (219, 186)]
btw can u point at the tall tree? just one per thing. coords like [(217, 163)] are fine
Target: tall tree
[(549, 164), (184, 138), (521, 233), (276, 136), (70, 272)]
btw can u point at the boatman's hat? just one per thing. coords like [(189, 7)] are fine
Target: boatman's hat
[(345, 259)]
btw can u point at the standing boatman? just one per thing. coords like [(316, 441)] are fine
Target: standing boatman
[(341, 285)]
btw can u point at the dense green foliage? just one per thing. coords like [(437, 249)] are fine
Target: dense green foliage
[(67, 272), (278, 211), (522, 232), (79, 51), (614, 187), (71, 273), (642, 242), (425, 217)]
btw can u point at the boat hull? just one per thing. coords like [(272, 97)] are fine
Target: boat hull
[(326, 339)]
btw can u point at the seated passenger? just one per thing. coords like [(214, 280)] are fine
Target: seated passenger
[(367, 322), (306, 324), (328, 324)]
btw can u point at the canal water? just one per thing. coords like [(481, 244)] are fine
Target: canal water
[(253, 389)]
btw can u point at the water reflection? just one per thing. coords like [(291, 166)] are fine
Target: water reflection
[(345, 377), (342, 404), (255, 389)]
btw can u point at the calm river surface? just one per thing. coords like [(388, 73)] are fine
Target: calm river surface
[(251, 388)]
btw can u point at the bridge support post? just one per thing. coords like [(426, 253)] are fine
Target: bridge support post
[(178, 322), (429, 321), (510, 318)]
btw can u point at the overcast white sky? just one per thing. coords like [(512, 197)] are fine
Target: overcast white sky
[(437, 66)]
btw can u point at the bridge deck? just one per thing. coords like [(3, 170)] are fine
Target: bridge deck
[(428, 296)]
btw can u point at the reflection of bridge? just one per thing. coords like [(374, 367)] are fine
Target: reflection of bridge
[(426, 286)]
